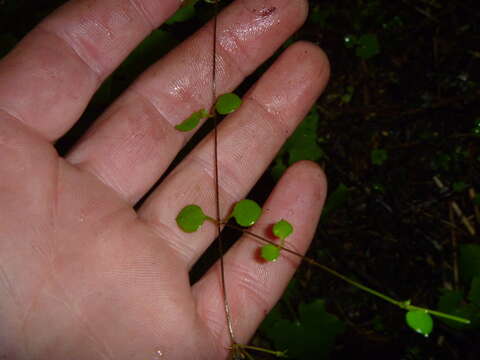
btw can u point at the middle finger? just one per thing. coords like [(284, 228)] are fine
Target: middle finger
[(133, 143)]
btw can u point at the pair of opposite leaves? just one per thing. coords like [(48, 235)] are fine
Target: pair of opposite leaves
[(226, 104), (246, 212)]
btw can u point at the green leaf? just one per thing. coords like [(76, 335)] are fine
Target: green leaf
[(469, 261), (190, 218), (192, 121), (348, 95), (311, 337), (420, 321), (278, 168), (246, 212), (282, 229), (186, 12), (451, 302), (272, 317), (459, 186), (319, 15), (379, 156), (309, 150), (474, 295), (335, 200), (367, 46), (303, 144), (152, 48), (228, 103), (287, 335), (270, 252), (476, 127)]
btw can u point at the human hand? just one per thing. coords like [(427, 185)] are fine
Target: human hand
[(82, 274)]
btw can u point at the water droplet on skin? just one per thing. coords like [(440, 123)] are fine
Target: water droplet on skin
[(158, 354)]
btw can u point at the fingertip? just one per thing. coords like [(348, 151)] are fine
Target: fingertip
[(310, 174), (314, 57)]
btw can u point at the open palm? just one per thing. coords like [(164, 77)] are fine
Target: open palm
[(82, 274)]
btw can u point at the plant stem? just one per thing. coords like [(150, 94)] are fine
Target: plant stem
[(242, 349), (401, 304), (438, 314)]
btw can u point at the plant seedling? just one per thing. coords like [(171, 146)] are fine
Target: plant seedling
[(247, 212)]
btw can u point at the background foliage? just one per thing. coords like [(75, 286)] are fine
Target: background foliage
[(401, 109)]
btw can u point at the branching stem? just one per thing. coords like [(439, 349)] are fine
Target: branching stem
[(401, 304)]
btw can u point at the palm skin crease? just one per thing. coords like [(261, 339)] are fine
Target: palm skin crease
[(82, 274)]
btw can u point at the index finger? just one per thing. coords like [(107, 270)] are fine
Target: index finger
[(48, 79)]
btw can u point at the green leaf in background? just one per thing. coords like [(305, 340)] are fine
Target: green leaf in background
[(459, 186), (227, 103), (420, 321), (190, 218), (270, 252), (476, 127), (311, 337), (282, 229), (186, 12), (278, 167), (469, 261), (348, 95), (367, 46), (335, 200), (378, 156), (246, 212), (452, 302), (319, 14), (303, 144), (192, 121), (154, 46), (474, 294)]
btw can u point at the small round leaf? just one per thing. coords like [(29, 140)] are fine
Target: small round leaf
[(228, 103), (192, 121), (282, 229), (420, 321), (246, 212), (190, 218), (270, 252)]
